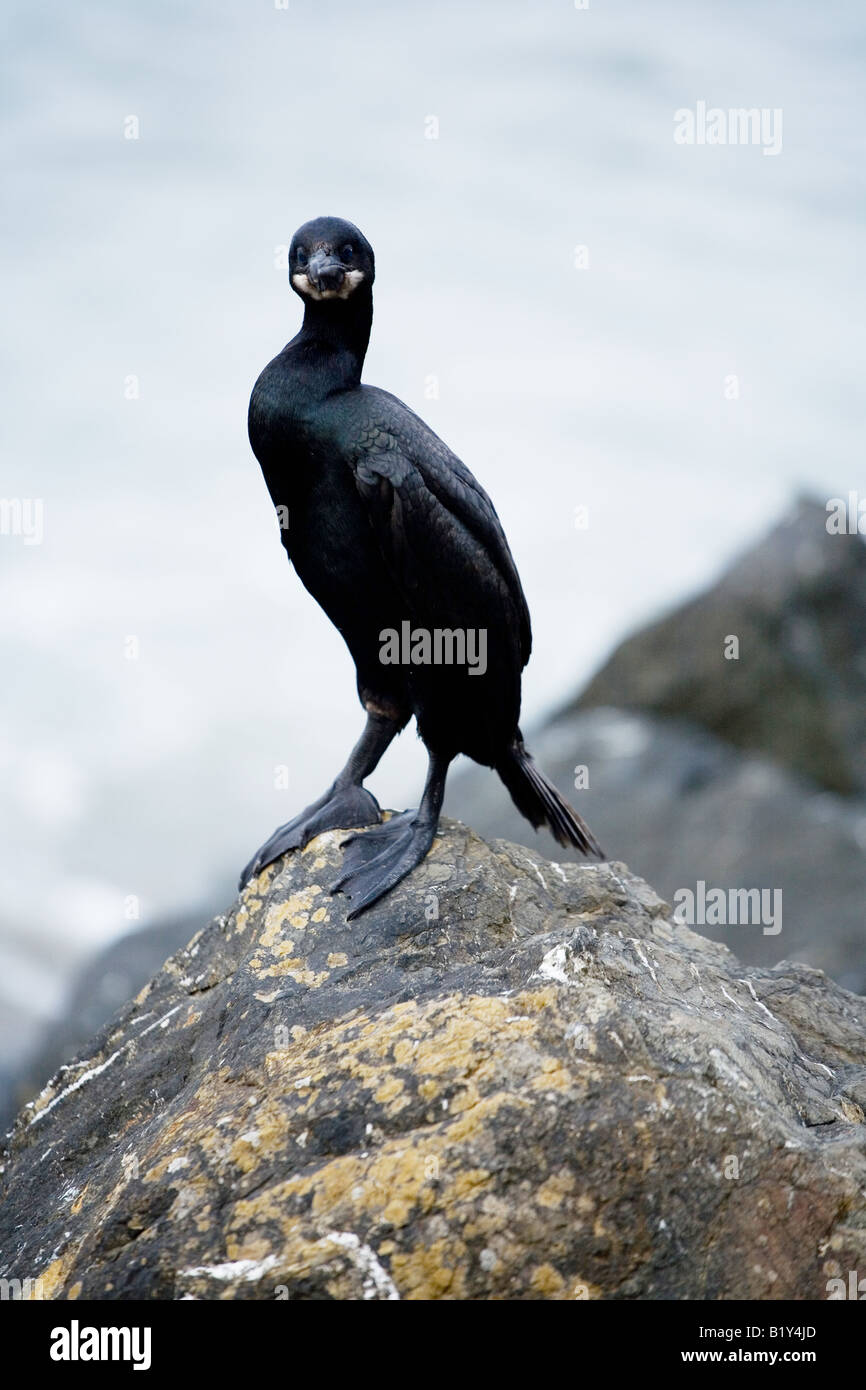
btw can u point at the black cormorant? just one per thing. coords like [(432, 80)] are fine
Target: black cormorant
[(403, 549)]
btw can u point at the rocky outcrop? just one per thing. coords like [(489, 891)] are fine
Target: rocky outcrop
[(796, 691), (741, 773), (510, 1079), (682, 807), (100, 986)]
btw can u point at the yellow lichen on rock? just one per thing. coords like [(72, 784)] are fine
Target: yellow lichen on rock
[(499, 1103)]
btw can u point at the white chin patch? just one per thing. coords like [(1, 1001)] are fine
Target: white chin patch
[(304, 285)]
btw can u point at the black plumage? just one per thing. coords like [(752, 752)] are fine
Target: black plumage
[(386, 526)]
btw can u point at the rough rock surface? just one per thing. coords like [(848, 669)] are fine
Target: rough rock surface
[(508, 1080), (679, 806), (104, 982)]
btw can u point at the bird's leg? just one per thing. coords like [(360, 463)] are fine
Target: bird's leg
[(376, 860), (345, 804)]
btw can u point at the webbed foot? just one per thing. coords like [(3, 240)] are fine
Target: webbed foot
[(341, 808), (376, 861)]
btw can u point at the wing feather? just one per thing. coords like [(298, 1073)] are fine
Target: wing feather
[(419, 492)]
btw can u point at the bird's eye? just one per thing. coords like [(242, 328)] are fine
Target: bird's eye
[(347, 252), (301, 256)]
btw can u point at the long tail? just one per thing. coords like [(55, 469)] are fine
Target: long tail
[(537, 799)]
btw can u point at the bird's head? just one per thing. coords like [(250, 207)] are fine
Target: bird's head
[(329, 259)]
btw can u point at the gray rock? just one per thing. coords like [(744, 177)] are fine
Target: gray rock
[(508, 1080), (101, 985), (681, 807), (796, 602)]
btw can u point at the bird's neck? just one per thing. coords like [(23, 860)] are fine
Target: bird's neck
[(334, 337)]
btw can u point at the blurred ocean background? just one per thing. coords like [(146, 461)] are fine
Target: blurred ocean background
[(161, 661)]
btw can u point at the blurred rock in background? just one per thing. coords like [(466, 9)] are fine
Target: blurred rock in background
[(796, 603)]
